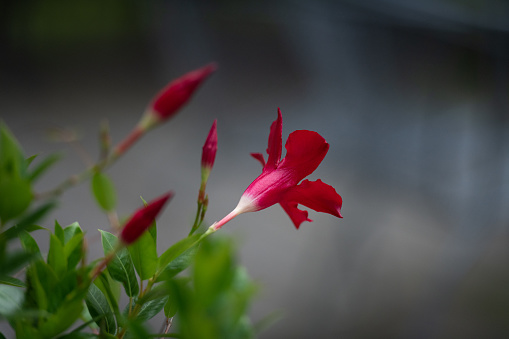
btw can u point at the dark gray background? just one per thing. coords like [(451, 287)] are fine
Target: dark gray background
[(411, 95)]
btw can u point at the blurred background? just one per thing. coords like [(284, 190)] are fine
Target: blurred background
[(411, 95)]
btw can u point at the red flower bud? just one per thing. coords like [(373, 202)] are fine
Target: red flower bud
[(142, 219), (172, 97), (210, 148)]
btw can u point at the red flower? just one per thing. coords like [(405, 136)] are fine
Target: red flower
[(168, 101), (209, 149), (279, 181), (142, 219)]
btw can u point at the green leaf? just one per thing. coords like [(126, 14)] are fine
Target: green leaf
[(29, 244), (107, 285), (65, 317), (178, 264), (59, 232), (12, 281), (71, 230), (104, 191), (214, 269), (151, 308), (30, 159), (12, 160), (15, 198), (15, 262), (170, 308), (10, 300), (36, 292), (73, 250), (144, 255), (56, 256), (43, 166), (98, 306), (121, 267), (28, 221), (176, 250)]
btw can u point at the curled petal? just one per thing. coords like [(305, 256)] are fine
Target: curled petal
[(317, 196), (275, 142), (305, 150), (259, 157), (298, 216)]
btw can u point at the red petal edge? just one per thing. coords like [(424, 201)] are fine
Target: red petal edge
[(316, 195), (259, 157), (298, 216), (305, 150), (275, 142)]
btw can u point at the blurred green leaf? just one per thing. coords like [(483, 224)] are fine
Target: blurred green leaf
[(12, 281), (121, 268), (59, 232), (15, 198), (73, 250), (104, 191), (107, 285), (36, 293), (213, 270), (56, 256), (12, 160), (11, 299), (151, 308), (178, 264), (43, 166), (29, 244), (98, 306), (170, 308), (14, 262), (71, 230), (144, 254), (176, 250), (29, 220), (65, 316), (30, 159)]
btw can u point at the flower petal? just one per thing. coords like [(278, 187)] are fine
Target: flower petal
[(305, 150), (298, 216), (317, 196), (275, 142), (259, 157)]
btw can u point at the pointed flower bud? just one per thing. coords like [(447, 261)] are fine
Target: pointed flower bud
[(175, 95), (208, 157), (209, 149), (142, 219)]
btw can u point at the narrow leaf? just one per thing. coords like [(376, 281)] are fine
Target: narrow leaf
[(144, 255), (56, 256), (10, 299), (98, 306), (151, 308), (27, 223), (12, 281), (104, 191), (29, 244), (121, 268), (59, 232), (178, 264), (176, 250), (73, 250), (43, 166)]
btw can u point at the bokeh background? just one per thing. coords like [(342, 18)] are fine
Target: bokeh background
[(411, 95)]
